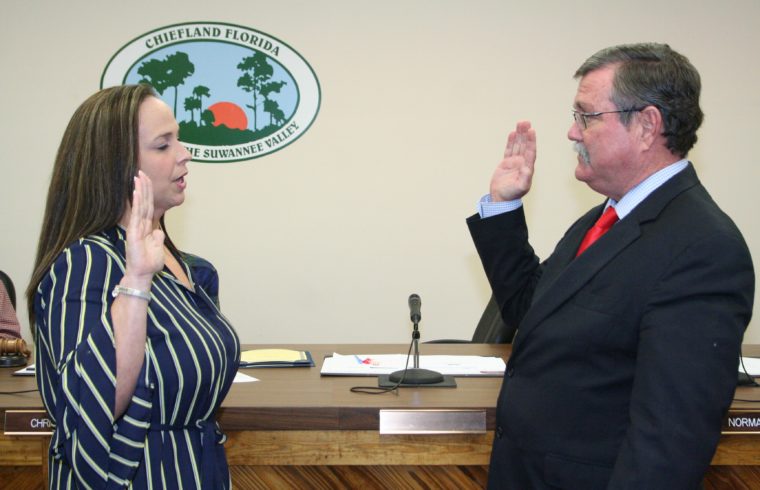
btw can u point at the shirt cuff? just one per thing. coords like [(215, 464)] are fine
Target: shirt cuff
[(486, 208)]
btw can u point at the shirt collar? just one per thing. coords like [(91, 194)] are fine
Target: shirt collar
[(639, 192)]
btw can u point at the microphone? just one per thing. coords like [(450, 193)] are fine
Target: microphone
[(415, 376), (414, 308)]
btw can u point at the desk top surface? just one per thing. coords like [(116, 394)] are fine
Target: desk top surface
[(300, 398)]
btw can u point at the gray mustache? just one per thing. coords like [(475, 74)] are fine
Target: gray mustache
[(580, 148)]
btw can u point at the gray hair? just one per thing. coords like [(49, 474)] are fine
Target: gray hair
[(654, 74)]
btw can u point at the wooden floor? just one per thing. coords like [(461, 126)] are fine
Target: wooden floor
[(360, 477), (378, 477), (733, 478)]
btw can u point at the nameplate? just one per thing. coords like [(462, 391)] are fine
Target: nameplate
[(434, 421), (742, 422), (27, 423)]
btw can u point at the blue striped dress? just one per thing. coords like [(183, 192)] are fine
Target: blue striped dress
[(167, 438)]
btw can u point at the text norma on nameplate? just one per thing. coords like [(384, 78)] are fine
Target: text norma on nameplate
[(742, 422), (27, 423)]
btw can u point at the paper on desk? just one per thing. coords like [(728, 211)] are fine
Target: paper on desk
[(272, 355), (752, 365), (376, 364), (27, 371), (243, 378)]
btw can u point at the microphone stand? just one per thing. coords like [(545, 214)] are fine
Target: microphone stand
[(415, 375)]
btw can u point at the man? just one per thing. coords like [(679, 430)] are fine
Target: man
[(9, 325), (625, 359)]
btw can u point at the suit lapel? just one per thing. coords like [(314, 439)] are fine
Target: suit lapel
[(578, 271), (564, 274)]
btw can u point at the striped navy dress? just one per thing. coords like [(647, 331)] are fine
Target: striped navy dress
[(167, 438)]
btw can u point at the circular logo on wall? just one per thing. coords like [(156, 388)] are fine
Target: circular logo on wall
[(237, 93)]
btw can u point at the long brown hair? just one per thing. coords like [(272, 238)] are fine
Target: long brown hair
[(93, 175)]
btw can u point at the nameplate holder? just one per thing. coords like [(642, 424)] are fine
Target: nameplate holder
[(27, 423), (432, 421), (741, 422)]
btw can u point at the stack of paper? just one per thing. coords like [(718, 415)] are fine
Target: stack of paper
[(376, 364), (751, 364), (275, 358)]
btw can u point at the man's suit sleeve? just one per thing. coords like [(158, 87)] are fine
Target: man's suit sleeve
[(511, 266), (686, 366)]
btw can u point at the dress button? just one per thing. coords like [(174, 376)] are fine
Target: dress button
[(510, 371), (499, 432)]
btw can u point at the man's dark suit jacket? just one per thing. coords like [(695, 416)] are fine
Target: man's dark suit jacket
[(625, 361)]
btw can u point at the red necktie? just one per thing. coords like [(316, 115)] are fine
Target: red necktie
[(602, 225)]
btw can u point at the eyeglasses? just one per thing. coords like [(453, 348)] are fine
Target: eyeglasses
[(581, 118)]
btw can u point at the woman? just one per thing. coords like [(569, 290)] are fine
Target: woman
[(133, 355)]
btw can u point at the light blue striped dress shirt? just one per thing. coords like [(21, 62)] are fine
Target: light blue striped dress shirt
[(632, 198)]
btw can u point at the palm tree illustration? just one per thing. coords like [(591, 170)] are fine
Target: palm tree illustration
[(169, 72), (256, 72)]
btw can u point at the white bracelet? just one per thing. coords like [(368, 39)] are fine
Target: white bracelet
[(119, 289)]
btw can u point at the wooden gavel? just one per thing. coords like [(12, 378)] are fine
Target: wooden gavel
[(13, 346)]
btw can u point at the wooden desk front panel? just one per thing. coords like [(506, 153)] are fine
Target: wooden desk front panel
[(355, 447)]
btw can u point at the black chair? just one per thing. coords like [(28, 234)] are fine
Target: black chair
[(491, 329), (9, 287)]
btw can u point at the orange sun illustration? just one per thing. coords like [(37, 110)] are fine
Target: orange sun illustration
[(229, 114)]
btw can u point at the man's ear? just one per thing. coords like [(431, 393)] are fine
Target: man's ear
[(650, 121)]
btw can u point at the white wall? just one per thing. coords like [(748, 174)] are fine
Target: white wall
[(324, 241)]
